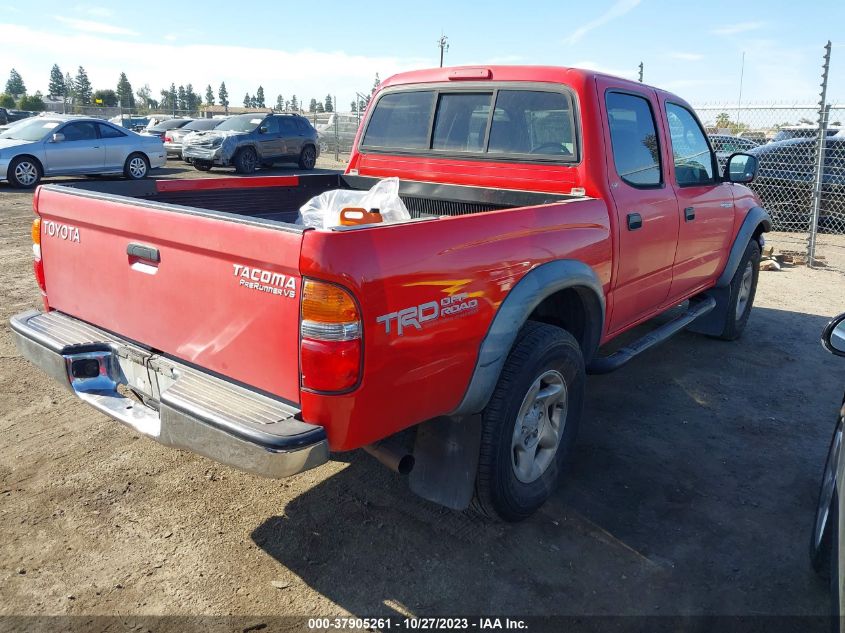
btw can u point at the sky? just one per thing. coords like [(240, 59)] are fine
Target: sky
[(312, 49)]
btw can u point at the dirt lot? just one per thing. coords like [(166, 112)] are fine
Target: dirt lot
[(691, 492)]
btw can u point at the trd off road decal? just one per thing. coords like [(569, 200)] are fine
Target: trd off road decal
[(265, 281), (428, 313)]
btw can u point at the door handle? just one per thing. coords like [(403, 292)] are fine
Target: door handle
[(689, 214), (635, 221), (146, 253)]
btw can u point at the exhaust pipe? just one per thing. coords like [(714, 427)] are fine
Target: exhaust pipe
[(393, 455)]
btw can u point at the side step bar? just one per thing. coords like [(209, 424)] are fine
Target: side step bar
[(607, 364)]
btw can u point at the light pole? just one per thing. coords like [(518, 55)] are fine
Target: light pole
[(443, 43)]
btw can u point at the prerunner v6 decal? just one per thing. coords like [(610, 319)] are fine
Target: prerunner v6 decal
[(265, 281)]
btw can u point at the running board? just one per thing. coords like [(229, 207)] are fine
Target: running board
[(607, 364)]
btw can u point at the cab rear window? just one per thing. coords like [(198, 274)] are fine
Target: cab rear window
[(528, 124)]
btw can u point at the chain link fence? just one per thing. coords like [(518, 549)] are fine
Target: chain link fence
[(785, 140)]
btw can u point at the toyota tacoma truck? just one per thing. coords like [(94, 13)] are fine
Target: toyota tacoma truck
[(552, 209)]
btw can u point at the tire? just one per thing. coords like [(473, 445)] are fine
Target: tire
[(202, 165), (24, 172), (136, 167), (743, 289), (246, 161), (826, 510), (833, 564), (514, 477), (308, 157)]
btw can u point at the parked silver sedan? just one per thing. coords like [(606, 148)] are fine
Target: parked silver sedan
[(65, 145)]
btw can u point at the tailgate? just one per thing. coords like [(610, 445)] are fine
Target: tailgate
[(212, 289)]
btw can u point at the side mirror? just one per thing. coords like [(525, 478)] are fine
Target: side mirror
[(58, 137), (263, 129), (741, 168), (833, 337)]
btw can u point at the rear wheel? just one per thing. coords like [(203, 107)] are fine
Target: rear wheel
[(530, 423), (136, 167), (24, 172), (246, 161), (308, 157), (202, 165)]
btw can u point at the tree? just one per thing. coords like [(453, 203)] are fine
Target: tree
[(56, 88), (312, 107), (280, 103), (182, 98), (33, 103), (7, 101), (320, 107), (223, 96), (247, 101), (259, 97), (329, 105), (145, 96), (124, 92), (107, 98), (376, 84), (82, 87), (70, 88), (172, 98), (294, 104), (192, 99), (209, 95), (15, 85), (353, 107)]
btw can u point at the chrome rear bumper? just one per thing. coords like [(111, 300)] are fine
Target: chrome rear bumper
[(179, 406)]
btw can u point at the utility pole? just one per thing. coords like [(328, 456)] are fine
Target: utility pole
[(641, 72), (443, 43), (824, 114), (741, 76)]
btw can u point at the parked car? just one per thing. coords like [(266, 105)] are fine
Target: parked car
[(826, 552), (173, 137), (803, 131), (161, 129), (724, 145), (340, 129), (4, 116), (62, 145), (18, 115), (134, 123), (785, 182), (453, 344), (248, 141)]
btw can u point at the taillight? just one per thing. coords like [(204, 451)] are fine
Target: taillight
[(330, 338), (37, 263), (168, 139)]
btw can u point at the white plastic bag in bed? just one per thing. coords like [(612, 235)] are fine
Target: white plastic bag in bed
[(323, 211)]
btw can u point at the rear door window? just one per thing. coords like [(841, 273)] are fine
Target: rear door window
[(401, 120), (633, 138)]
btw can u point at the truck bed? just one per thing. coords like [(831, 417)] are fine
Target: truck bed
[(278, 198)]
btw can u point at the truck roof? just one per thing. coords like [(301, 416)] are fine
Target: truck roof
[(554, 74)]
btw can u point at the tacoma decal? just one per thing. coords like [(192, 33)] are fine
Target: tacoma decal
[(265, 281), (430, 312)]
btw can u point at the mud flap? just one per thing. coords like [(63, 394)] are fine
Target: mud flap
[(713, 323), (446, 454)]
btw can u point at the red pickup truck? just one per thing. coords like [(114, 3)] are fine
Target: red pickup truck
[(552, 209)]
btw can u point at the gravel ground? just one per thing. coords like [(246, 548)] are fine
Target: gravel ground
[(691, 491)]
